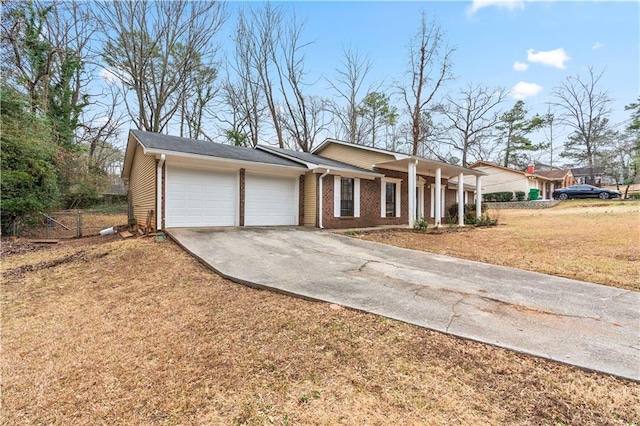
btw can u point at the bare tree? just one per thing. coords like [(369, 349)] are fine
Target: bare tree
[(303, 116), (584, 109), (348, 85), (156, 49), (429, 67), (257, 39), (471, 118)]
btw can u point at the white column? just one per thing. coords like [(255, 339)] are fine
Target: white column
[(438, 198), (461, 199), (478, 197), (412, 191)]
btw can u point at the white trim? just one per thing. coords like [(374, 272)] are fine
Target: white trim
[(396, 155), (478, 197), (411, 184), (420, 197), (336, 195), (211, 158), (383, 195), (438, 197), (356, 197), (461, 199)]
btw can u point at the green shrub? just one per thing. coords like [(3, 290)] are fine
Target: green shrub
[(469, 212), (421, 224), (498, 196), (520, 195)]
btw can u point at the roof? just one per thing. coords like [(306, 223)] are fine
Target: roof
[(586, 171), (497, 166), (161, 142), (397, 155), (313, 160), (401, 158), (553, 174)]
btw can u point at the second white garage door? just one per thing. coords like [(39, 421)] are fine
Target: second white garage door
[(270, 200), (200, 198)]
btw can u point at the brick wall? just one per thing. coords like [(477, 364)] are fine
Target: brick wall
[(370, 202)]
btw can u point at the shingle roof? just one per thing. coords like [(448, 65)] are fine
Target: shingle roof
[(552, 174), (586, 171), (162, 142), (315, 159)]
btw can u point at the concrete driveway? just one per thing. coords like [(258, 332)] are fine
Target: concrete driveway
[(588, 325)]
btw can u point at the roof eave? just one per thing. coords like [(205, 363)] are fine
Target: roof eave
[(215, 158)]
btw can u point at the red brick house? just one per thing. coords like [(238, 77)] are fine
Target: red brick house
[(177, 182)]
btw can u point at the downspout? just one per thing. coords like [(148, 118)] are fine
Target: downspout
[(320, 199), (159, 193)]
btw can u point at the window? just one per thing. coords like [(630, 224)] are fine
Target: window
[(346, 197), (390, 197), (346, 193)]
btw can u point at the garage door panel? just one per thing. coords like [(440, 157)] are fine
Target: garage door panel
[(200, 198), (270, 200)]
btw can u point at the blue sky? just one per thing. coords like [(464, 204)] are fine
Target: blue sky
[(549, 40)]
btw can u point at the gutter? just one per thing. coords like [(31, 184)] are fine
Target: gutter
[(159, 192), (320, 199)]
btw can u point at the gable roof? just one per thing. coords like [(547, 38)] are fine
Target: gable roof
[(161, 142), (313, 161), (157, 143), (586, 171), (328, 141), (399, 158), (497, 166), (557, 174)]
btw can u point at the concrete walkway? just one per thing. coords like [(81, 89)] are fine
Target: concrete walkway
[(588, 325)]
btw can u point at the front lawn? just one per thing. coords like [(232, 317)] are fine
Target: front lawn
[(588, 240), (110, 331)]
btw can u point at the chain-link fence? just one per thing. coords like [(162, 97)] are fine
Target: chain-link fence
[(69, 223)]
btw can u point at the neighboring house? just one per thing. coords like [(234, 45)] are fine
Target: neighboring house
[(178, 182), (557, 178), (503, 179), (582, 175)]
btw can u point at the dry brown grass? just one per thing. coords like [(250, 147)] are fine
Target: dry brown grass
[(137, 332), (588, 240)]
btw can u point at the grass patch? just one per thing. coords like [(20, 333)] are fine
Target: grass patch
[(586, 240), (107, 330)]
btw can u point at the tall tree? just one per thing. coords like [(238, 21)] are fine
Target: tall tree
[(47, 55), (258, 36), (304, 117), (514, 127), (377, 113), (156, 50), (471, 118), (28, 159), (584, 108), (348, 85), (429, 67)]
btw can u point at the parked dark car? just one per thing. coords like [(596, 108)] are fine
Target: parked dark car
[(585, 191)]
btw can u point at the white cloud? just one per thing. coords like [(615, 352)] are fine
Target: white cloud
[(109, 76), (520, 66), (524, 90), (552, 58), (597, 46), (476, 5)]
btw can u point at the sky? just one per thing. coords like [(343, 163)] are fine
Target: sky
[(528, 47)]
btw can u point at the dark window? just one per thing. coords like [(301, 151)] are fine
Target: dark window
[(390, 199), (346, 197)]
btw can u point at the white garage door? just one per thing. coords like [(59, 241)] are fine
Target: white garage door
[(200, 198), (270, 200)]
